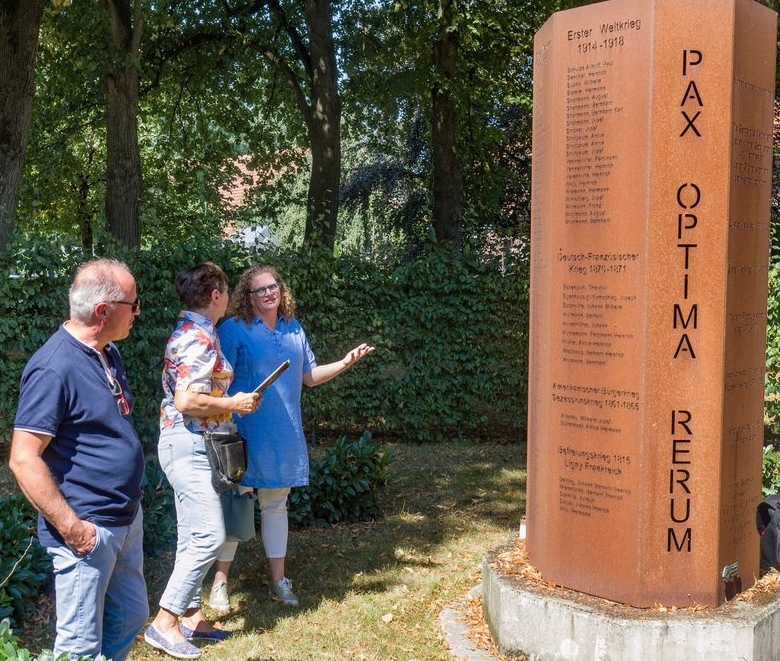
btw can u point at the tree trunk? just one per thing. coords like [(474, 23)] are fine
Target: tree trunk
[(447, 177), (324, 126), (20, 21), (123, 166)]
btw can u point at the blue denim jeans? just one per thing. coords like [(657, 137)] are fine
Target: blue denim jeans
[(101, 597), (200, 525)]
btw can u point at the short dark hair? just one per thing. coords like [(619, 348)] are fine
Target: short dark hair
[(195, 284)]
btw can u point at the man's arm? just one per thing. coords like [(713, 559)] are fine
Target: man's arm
[(39, 487)]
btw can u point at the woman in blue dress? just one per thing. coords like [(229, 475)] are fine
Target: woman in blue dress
[(259, 333)]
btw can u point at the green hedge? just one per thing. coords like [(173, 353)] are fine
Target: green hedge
[(450, 333), (10, 649), (772, 382), (450, 337), (24, 564)]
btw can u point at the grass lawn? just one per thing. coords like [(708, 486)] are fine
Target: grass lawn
[(369, 592)]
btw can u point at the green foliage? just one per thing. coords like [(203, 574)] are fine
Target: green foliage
[(450, 333), (208, 96), (774, 212), (34, 280), (10, 650), (343, 484), (159, 511), (205, 99), (36, 274), (772, 381), (24, 564), (63, 187), (390, 75), (770, 471), (450, 337)]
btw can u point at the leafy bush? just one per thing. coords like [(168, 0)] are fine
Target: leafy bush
[(159, 511), (451, 340), (10, 650), (24, 564), (36, 274), (343, 484), (772, 382), (770, 471), (451, 333)]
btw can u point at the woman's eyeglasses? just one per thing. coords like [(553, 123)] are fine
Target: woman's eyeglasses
[(261, 291), (116, 390), (133, 306)]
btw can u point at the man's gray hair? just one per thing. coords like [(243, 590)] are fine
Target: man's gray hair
[(95, 282)]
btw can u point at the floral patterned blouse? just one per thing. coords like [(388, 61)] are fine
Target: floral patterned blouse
[(194, 361)]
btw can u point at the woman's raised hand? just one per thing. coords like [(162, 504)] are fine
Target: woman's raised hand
[(356, 354)]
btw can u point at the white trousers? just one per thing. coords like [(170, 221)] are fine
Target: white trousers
[(273, 525)]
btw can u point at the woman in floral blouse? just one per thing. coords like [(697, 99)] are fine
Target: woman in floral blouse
[(195, 380)]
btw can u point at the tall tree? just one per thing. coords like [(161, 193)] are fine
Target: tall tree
[(123, 167), (322, 114), (295, 42), (447, 178), (464, 67), (437, 93), (306, 58), (63, 186), (20, 22)]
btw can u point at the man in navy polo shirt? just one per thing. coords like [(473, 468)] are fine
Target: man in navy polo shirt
[(77, 458)]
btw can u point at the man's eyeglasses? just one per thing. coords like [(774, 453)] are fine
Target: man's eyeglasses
[(133, 306), (261, 291), (116, 390)]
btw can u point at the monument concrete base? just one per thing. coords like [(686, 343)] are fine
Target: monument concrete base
[(546, 623)]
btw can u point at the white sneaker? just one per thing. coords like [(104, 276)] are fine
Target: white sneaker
[(218, 599), (281, 590)]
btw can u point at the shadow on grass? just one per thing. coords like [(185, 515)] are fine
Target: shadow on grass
[(441, 504), (436, 495)]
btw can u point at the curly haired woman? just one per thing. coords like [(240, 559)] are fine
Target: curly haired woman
[(259, 333)]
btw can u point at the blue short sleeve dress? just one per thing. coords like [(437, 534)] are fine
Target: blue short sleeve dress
[(277, 454)]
